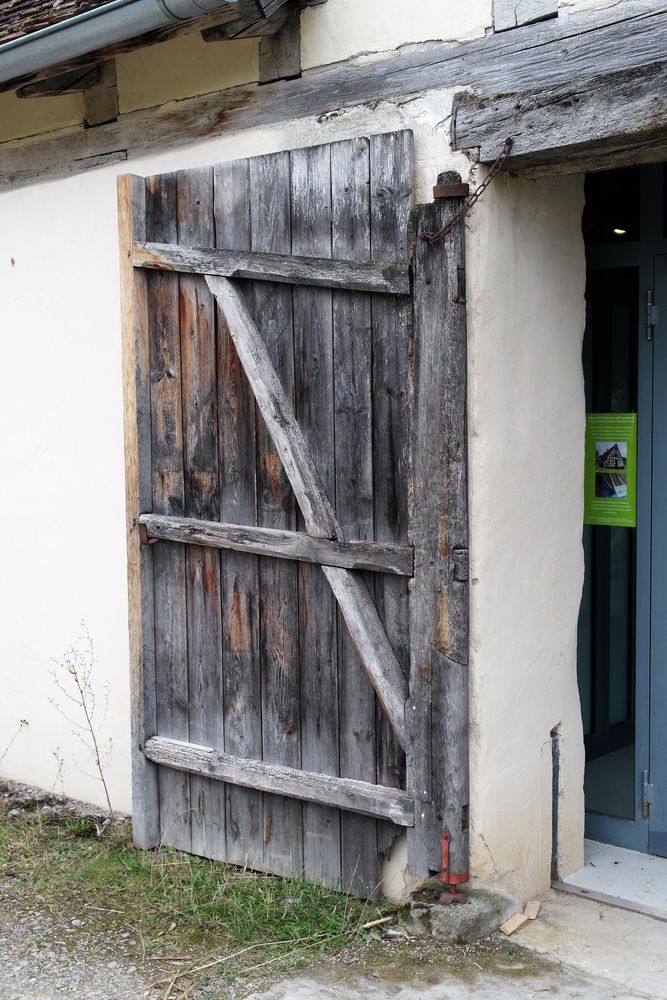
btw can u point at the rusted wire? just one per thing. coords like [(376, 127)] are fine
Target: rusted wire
[(433, 238)]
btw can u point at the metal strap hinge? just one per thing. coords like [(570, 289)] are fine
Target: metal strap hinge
[(647, 794), (652, 315)]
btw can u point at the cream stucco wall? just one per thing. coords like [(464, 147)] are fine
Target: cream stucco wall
[(21, 117), (61, 441), (526, 427)]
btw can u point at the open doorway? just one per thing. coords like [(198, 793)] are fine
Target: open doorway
[(622, 647)]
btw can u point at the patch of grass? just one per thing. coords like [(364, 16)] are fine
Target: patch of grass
[(176, 904)]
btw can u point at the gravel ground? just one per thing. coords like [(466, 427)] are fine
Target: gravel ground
[(48, 953), (45, 955)]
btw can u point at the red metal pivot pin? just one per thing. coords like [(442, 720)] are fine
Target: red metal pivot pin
[(449, 879)]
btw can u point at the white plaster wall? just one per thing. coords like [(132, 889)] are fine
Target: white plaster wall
[(526, 427), (61, 441), (342, 28)]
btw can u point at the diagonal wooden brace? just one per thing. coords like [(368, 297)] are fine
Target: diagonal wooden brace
[(354, 599)]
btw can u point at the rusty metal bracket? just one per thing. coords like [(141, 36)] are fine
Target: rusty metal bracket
[(451, 190), (433, 238), (144, 537), (450, 880)]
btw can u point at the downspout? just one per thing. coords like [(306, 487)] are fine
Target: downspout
[(114, 22)]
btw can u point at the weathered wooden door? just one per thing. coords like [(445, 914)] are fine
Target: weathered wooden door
[(282, 423)]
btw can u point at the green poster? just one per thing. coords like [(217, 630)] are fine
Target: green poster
[(610, 481)]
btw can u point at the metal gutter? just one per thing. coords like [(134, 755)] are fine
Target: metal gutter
[(114, 22)]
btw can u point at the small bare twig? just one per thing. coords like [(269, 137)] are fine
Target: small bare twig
[(376, 923), (77, 665), (60, 763), (21, 726)]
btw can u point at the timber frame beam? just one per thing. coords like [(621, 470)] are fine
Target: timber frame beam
[(595, 123), (626, 38)]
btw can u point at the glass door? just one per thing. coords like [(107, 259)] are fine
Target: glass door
[(620, 229), (656, 785)]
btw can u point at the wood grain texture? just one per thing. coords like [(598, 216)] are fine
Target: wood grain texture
[(345, 793), (310, 200), (280, 51), (265, 400), (168, 487), (240, 573), (276, 506), (350, 591), (437, 712), (276, 410), (352, 381), (514, 13), (392, 278), (138, 493), (382, 557), (621, 37), (194, 202), (392, 199), (568, 123)]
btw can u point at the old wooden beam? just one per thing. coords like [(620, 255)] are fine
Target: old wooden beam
[(380, 557), (548, 54), (437, 711), (138, 492), (343, 793), (355, 602), (591, 122), (390, 277), (71, 82), (249, 27), (514, 13), (97, 83), (280, 52)]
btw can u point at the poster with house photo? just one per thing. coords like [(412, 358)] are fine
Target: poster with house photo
[(611, 469)]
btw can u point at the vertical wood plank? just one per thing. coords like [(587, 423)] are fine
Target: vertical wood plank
[(136, 396), (196, 227), (171, 650), (437, 741), (392, 199), (352, 374), (276, 508), (240, 573), (313, 356)]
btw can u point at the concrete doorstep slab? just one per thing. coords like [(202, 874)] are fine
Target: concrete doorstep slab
[(628, 948)]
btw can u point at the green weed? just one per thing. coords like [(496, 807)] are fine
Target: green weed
[(175, 903)]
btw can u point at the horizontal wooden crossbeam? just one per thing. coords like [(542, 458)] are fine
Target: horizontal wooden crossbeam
[(381, 557), (343, 793), (390, 277)]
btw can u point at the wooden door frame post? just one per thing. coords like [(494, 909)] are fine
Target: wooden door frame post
[(138, 498), (437, 713)]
